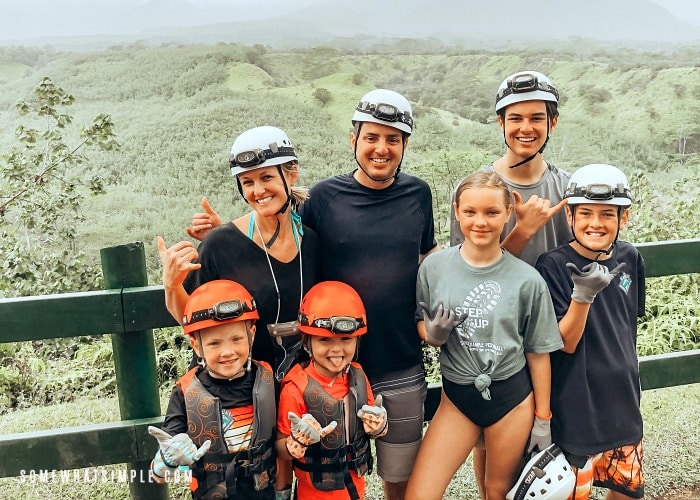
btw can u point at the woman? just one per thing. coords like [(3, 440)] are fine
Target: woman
[(267, 250)]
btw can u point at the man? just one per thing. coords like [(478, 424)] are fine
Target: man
[(375, 225)]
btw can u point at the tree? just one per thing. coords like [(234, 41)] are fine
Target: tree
[(323, 95), (41, 197)]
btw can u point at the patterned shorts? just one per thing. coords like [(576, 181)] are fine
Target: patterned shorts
[(617, 470)]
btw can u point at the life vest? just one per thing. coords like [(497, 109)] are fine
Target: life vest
[(216, 473), (330, 461)]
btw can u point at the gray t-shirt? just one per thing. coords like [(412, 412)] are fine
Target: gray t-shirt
[(551, 186), (509, 312)]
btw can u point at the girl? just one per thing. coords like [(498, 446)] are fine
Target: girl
[(493, 317), (326, 410)]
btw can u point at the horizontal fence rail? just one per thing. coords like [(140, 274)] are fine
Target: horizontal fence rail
[(124, 312)]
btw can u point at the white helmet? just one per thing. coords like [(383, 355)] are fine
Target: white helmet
[(525, 86), (546, 476), (385, 107), (599, 184), (260, 147)]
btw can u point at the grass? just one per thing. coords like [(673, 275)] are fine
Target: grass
[(672, 450)]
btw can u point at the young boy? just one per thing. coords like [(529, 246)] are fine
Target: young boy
[(221, 414), (597, 287), (327, 412)]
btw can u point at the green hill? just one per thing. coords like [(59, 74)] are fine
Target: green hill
[(177, 110)]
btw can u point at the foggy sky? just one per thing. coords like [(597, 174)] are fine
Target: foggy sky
[(28, 19)]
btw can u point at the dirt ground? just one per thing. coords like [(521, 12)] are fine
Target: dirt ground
[(692, 493)]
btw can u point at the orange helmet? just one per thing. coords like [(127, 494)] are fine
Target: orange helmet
[(332, 308), (216, 303)]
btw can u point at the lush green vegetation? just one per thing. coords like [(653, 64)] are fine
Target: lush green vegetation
[(176, 109)]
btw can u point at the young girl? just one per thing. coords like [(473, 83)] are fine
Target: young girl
[(326, 409), (494, 319)]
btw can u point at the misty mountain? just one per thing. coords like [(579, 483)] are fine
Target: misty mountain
[(311, 22)]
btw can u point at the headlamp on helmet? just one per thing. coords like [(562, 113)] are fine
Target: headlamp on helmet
[(260, 147), (385, 107), (340, 325), (525, 86), (385, 112), (599, 184), (255, 157), (332, 308), (221, 311), (218, 302)]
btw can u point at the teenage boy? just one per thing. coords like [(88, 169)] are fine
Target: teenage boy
[(527, 109)]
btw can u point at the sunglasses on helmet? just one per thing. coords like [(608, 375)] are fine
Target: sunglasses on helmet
[(341, 325), (598, 192), (526, 82), (221, 311), (255, 157), (385, 112)]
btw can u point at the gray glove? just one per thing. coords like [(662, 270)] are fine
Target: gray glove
[(541, 435), (374, 418), (440, 325), (590, 280), (174, 451), (285, 494)]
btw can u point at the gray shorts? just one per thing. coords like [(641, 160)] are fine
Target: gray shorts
[(403, 394)]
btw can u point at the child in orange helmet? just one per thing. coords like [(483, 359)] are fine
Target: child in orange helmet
[(327, 412), (221, 416)]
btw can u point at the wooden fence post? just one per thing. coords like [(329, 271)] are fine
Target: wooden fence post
[(124, 266)]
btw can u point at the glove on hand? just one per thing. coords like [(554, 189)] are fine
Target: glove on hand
[(590, 280), (305, 432), (541, 435), (174, 451), (374, 418), (285, 494), (439, 327)]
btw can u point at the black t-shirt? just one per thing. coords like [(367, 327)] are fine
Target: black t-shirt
[(596, 390), (227, 253), (371, 239)]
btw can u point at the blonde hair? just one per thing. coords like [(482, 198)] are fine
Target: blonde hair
[(484, 179), (299, 194)]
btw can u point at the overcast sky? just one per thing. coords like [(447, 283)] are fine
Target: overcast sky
[(26, 19)]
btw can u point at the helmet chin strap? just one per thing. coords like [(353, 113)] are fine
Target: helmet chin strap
[(393, 176)]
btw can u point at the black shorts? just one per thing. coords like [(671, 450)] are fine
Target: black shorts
[(505, 395)]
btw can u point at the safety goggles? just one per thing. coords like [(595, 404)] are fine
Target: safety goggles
[(598, 192), (221, 311), (385, 112), (255, 157), (525, 82), (341, 325)]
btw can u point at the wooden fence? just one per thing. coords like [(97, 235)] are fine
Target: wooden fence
[(129, 309)]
